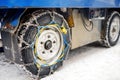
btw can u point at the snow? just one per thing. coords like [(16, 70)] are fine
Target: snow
[(9, 71), (91, 62)]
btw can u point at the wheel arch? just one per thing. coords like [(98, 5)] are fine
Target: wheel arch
[(67, 14), (9, 17)]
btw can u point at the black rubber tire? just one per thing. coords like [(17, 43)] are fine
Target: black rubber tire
[(1, 46), (106, 40), (27, 54)]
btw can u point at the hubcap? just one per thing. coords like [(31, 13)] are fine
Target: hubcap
[(114, 29)]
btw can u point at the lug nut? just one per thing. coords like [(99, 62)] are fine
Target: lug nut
[(41, 42), (43, 52), (51, 51), (54, 41), (48, 36)]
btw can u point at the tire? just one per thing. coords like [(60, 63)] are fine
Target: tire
[(1, 45), (111, 30), (44, 40)]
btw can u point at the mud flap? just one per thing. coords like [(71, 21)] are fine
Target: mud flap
[(10, 45)]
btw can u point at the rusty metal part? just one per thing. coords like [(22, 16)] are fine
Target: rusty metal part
[(70, 18)]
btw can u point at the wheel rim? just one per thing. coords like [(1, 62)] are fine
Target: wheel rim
[(114, 29), (48, 45)]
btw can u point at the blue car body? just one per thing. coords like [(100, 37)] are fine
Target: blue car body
[(59, 3)]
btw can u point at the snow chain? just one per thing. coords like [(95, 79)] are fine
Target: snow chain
[(40, 29)]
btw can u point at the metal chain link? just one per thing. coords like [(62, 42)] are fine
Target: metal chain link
[(20, 38)]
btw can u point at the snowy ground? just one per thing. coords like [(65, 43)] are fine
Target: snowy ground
[(91, 62)]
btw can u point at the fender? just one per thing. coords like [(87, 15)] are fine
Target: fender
[(11, 16)]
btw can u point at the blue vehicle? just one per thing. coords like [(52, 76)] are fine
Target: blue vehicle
[(40, 33)]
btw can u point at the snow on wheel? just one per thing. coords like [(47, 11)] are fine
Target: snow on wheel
[(112, 30), (44, 41)]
